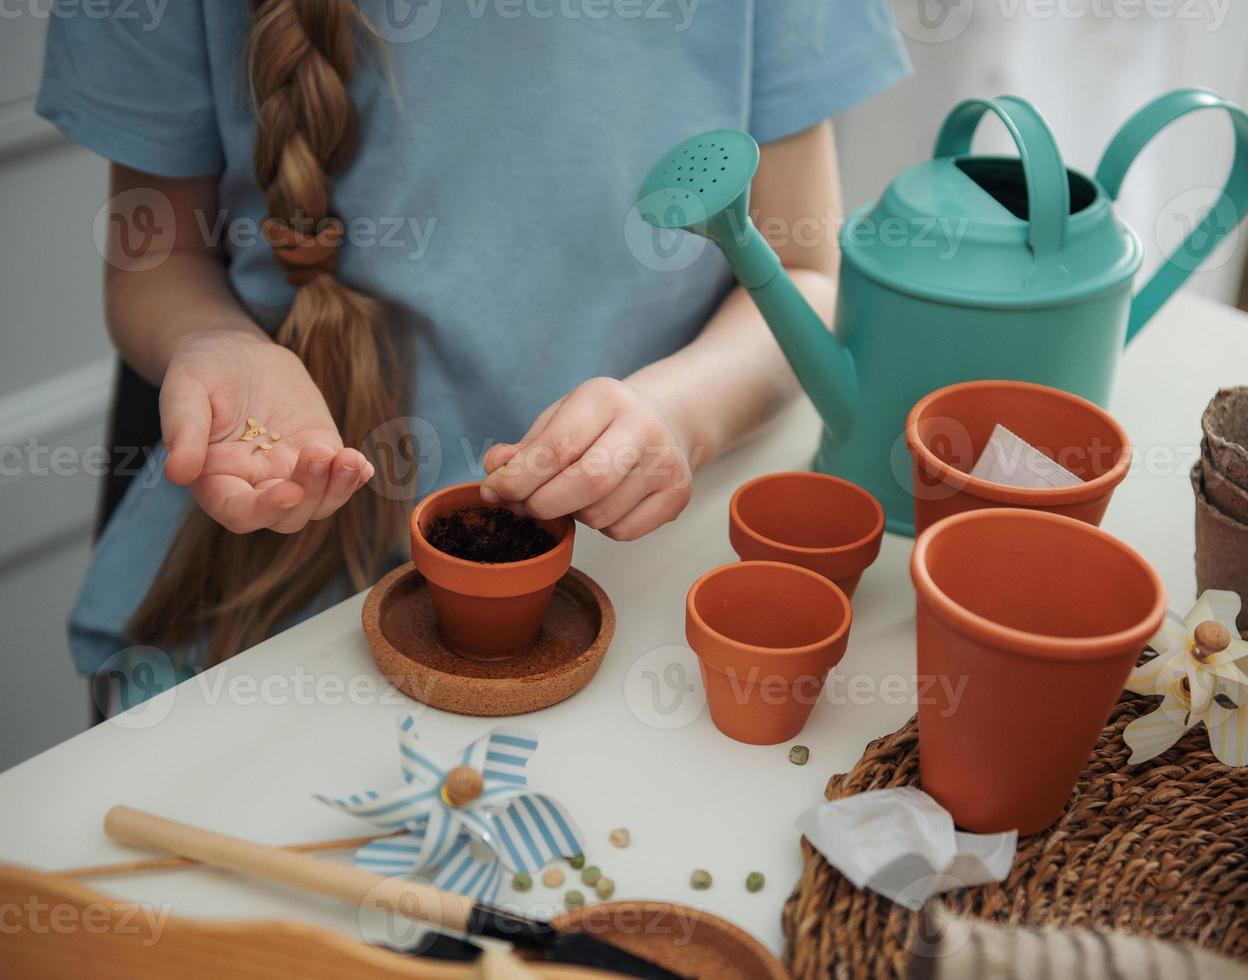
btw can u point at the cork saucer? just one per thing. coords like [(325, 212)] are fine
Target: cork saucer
[(403, 634), (688, 941)]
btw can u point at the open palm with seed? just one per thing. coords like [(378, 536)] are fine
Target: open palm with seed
[(215, 383)]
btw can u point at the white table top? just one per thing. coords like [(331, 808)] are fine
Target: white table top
[(242, 748)]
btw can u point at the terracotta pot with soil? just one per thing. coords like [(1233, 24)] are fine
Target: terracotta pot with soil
[(820, 522), (490, 573), (1028, 624), (766, 634), (947, 430)]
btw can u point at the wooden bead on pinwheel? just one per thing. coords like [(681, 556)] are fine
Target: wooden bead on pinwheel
[(462, 785)]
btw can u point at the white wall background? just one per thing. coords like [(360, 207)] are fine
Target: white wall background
[(1086, 63)]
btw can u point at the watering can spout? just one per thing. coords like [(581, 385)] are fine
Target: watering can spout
[(824, 367), (702, 186)]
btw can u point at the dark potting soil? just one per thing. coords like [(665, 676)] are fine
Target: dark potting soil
[(488, 534)]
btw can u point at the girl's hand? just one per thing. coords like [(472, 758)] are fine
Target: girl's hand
[(605, 452), (214, 383)]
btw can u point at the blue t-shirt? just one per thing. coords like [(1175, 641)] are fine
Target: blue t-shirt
[(502, 143)]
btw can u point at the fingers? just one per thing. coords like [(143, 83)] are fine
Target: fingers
[(185, 422), (239, 507), (498, 455), (653, 512), (348, 472), (573, 426), (601, 469), (311, 473), (632, 490)]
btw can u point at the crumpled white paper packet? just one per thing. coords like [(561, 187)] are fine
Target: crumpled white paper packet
[(902, 844), (1013, 462)]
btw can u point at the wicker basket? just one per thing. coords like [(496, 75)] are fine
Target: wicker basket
[(1158, 850)]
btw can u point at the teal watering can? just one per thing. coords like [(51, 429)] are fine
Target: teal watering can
[(967, 267)]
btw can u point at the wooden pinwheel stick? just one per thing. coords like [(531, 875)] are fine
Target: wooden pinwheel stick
[(177, 863), (409, 898)]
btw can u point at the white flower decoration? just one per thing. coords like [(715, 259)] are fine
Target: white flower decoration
[(1195, 671)]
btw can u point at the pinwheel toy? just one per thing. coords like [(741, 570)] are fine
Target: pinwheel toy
[(465, 820)]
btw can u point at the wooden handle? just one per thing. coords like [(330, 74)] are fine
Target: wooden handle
[(411, 899)]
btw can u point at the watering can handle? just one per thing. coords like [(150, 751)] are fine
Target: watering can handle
[(1048, 189), (1221, 218)]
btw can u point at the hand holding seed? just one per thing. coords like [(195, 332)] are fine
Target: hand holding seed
[(222, 386)]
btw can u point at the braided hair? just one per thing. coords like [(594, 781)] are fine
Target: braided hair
[(234, 590)]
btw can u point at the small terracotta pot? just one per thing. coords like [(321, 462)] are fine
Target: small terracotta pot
[(947, 430), (1028, 624), (820, 522), (766, 635), (487, 611)]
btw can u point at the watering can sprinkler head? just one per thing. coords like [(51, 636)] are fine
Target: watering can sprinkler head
[(702, 186)]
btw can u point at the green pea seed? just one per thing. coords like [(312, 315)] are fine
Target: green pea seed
[(754, 881), (522, 882), (799, 755), (577, 862), (591, 875), (573, 899), (605, 888), (700, 879)]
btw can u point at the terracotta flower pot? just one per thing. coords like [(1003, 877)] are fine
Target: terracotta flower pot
[(820, 522), (487, 611), (1028, 624), (766, 635), (947, 430)]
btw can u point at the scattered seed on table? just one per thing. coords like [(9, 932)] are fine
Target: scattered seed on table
[(754, 881), (522, 882), (573, 899), (799, 755), (591, 875), (577, 861), (620, 837), (552, 877), (605, 888), (700, 879)]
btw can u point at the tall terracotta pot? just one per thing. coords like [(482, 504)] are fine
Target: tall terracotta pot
[(1028, 624), (487, 611), (766, 634), (947, 430)]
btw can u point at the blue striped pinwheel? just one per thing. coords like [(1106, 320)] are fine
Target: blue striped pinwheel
[(465, 820)]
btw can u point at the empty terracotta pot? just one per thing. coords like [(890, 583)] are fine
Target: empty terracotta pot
[(947, 430), (766, 634), (487, 611), (1028, 624), (820, 522)]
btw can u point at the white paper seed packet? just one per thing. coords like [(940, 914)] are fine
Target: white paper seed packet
[(1010, 461), (902, 844)]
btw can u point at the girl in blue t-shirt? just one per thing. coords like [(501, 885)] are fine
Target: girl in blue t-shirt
[(330, 223)]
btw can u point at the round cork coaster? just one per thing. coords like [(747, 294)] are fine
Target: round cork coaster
[(685, 940), (403, 634)]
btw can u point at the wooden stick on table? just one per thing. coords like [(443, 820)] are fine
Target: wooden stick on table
[(176, 863)]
